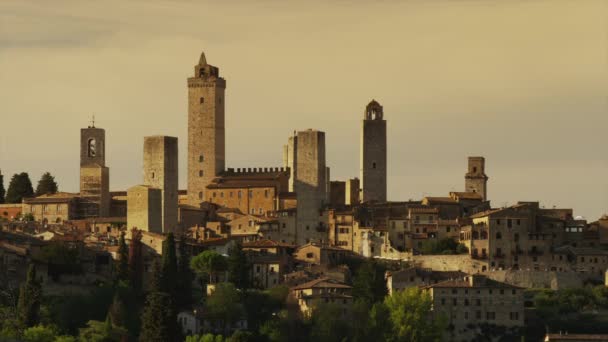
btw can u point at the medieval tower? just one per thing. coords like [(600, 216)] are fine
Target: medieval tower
[(206, 135), (160, 171), (475, 180), (373, 154), (94, 175)]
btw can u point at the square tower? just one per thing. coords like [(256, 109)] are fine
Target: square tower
[(305, 156), (206, 135), (144, 208), (94, 175), (373, 154), (475, 180), (161, 172)]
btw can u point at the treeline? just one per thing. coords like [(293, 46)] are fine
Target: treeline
[(20, 187), (126, 310)]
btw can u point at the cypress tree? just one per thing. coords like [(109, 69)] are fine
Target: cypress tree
[(2, 191), (238, 268), (46, 185), (136, 266), (122, 269), (169, 266), (184, 276), (19, 188), (158, 320), (30, 293)]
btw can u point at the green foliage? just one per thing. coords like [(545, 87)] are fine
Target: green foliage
[(207, 264), (97, 331), (262, 306), (71, 312), (169, 266), (30, 294), (136, 263), (205, 338), (46, 185), (369, 283), (19, 188), (443, 246), (39, 333), (158, 321), (329, 324), (224, 304), (184, 277), (411, 318), (29, 217), (122, 269), (238, 267)]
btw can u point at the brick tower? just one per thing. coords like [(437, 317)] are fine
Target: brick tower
[(373, 154), (475, 180), (206, 134), (94, 175)]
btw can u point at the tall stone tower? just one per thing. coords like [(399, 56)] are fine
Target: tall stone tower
[(206, 134), (94, 175), (305, 156), (475, 180), (160, 171), (373, 154)]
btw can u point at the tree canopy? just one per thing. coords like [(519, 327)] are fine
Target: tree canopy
[(207, 265), (30, 295), (19, 188), (46, 185), (2, 190)]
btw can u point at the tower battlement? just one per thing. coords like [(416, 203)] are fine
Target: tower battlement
[(254, 170)]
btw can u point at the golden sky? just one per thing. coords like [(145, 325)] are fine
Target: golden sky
[(523, 83)]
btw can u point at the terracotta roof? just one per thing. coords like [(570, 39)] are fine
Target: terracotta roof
[(265, 243), (466, 195), (462, 283), (321, 282), (486, 213), (441, 200)]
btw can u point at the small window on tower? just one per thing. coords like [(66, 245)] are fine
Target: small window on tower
[(474, 169), (200, 158), (202, 100), (92, 148), (373, 165), (152, 175), (200, 195), (200, 173)]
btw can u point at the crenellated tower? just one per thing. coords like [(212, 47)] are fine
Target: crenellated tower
[(206, 132), (475, 180)]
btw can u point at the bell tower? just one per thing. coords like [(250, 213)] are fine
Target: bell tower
[(206, 133), (373, 154), (475, 180), (94, 175)]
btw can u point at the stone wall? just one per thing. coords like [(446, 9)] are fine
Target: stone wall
[(144, 208), (161, 172)]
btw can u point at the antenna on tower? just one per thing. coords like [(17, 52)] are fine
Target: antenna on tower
[(93, 121)]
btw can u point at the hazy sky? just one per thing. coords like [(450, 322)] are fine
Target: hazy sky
[(523, 83)]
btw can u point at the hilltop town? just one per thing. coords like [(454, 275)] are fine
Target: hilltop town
[(307, 257)]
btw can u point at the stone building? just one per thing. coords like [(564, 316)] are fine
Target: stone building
[(254, 191), (161, 172), (476, 179), (94, 175), (319, 291), (304, 155), (144, 209), (206, 132), (474, 300), (352, 192), (373, 154)]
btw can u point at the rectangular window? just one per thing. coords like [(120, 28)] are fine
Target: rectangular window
[(266, 193)]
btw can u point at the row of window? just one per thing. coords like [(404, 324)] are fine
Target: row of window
[(490, 316)]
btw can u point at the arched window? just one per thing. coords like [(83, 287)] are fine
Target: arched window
[(92, 148), (200, 158)]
